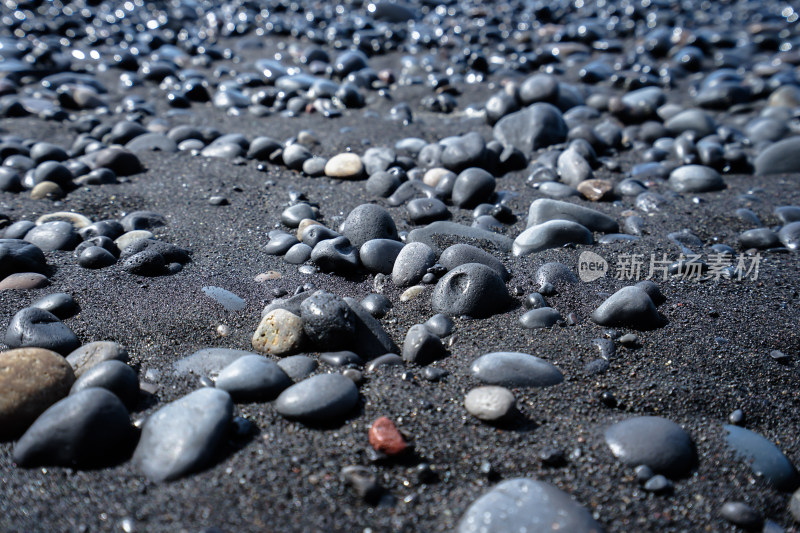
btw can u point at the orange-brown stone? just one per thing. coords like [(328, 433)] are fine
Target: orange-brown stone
[(385, 438)]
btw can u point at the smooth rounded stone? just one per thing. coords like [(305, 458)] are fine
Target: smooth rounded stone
[(346, 166), (376, 305), (130, 238), (252, 378), (324, 398), (653, 441), (314, 166), (545, 209), (34, 327), (336, 255), (379, 255), (94, 353), (463, 151), (223, 150), (370, 339), (16, 232), (441, 234), (764, 458), (490, 403), (539, 88), (43, 151), (427, 210), (555, 189), (279, 242), (367, 222), (573, 168), (339, 359), (440, 325), (293, 215), (56, 235), (788, 214), (327, 320), (789, 235), (748, 217), (758, 238), (279, 333), (142, 220), (598, 366), (102, 228), (537, 126), (145, 263), (535, 300), (552, 234), (378, 159), (515, 369), (262, 148), (111, 375), (18, 256), (628, 307), (152, 142), (295, 155), (77, 220), (794, 505), (743, 515), (460, 254), (412, 263), (312, 234), (87, 429), (32, 379), (60, 304), (472, 186), (382, 184), (471, 289), (652, 290), (49, 171), (47, 189), (224, 297), (695, 178), (183, 436), (96, 257), (596, 189), (421, 346), (544, 317), (389, 359), (385, 438), (658, 484), (24, 281), (523, 504), (695, 120), (556, 274), (121, 161), (782, 157), (10, 180), (298, 254)]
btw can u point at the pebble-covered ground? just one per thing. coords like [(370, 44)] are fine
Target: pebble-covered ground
[(399, 266)]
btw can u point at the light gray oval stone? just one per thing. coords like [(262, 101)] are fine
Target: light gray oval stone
[(515, 369), (412, 263), (253, 378), (321, 398), (628, 307), (656, 442), (552, 234), (763, 456)]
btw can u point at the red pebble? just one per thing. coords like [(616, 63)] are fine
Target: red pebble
[(385, 438)]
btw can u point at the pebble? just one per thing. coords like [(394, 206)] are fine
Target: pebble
[(411, 293), (32, 379), (130, 238), (694, 179), (524, 504), (96, 257), (653, 441), (364, 483), (336, 255), (293, 215), (325, 398), (376, 305), (24, 281), (60, 304), (252, 378), (114, 376), (327, 320), (340, 359), (789, 235), (34, 327), (385, 438), (537, 126), (573, 168), (370, 339), (460, 254), (782, 157), (515, 369), (471, 289), (545, 209), (224, 297), (552, 234), (88, 429), (379, 255), (596, 190), (628, 307), (544, 317), (298, 367), (427, 210), (422, 346), (389, 359), (279, 333), (94, 353), (346, 166), (490, 403), (411, 264), (472, 186), (366, 222), (743, 515), (440, 325), (758, 238), (764, 458), (184, 435), (56, 235)]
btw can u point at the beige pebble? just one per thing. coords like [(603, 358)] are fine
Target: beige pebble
[(595, 189), (490, 403), (47, 189), (76, 219), (411, 293), (267, 276), (130, 237), (306, 222), (344, 166), (433, 176), (88, 355), (279, 333), (24, 280)]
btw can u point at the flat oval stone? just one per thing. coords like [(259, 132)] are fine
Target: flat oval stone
[(763, 456), (60, 304), (628, 307), (279, 333), (208, 361), (93, 353), (523, 504), (653, 441), (111, 375), (379, 255), (34, 327), (460, 254), (411, 264), (782, 157), (366, 222), (183, 436), (695, 178), (515, 369), (758, 238), (789, 235), (225, 298), (252, 378), (87, 429), (346, 166), (298, 367), (24, 281), (56, 235), (543, 317), (436, 233), (490, 403), (552, 234), (427, 210), (472, 186), (385, 438), (319, 399), (472, 289), (545, 209), (31, 380)]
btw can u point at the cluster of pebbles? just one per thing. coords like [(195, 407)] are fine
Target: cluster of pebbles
[(433, 262)]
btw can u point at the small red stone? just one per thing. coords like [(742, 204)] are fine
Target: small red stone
[(385, 438)]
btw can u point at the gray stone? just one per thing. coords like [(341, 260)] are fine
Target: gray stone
[(379, 255), (545, 209), (539, 88), (628, 307), (544, 317), (758, 238), (60, 304), (695, 178), (412, 263), (366, 222), (279, 242), (208, 362), (460, 254), (440, 325), (515, 369), (472, 186), (742, 515), (789, 235), (56, 235), (552, 234), (422, 346), (93, 353), (523, 504), (573, 168), (427, 210), (490, 403), (111, 375), (439, 235), (557, 274), (327, 320), (142, 220), (88, 429), (370, 339), (376, 305), (472, 289), (336, 255), (252, 378), (298, 367), (782, 157), (298, 254), (764, 458), (537, 126), (19, 256), (695, 120), (788, 214), (34, 327), (292, 215), (325, 398), (183, 436), (653, 441)]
